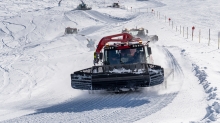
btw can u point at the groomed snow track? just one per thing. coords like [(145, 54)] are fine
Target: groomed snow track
[(126, 107)]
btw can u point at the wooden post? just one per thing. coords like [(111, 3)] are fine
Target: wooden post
[(169, 21), (183, 31), (172, 24), (209, 37), (176, 28), (165, 18), (218, 39), (192, 32), (180, 29), (187, 33), (199, 34)]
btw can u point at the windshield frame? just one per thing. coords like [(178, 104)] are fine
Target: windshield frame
[(130, 57)]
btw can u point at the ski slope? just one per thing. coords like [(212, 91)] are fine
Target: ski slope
[(36, 60)]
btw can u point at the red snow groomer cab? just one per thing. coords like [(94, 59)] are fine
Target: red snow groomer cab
[(121, 62)]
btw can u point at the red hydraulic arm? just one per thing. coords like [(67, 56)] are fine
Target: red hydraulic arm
[(126, 37)]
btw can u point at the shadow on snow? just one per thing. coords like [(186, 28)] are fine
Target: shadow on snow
[(97, 102)]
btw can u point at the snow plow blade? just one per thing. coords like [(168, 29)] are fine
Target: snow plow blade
[(116, 77)]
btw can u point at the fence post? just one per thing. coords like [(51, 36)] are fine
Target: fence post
[(209, 37), (169, 21), (165, 18), (180, 29), (218, 39), (199, 34), (176, 28), (192, 32), (183, 31), (172, 24), (187, 33)]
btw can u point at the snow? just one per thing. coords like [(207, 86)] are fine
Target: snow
[(36, 60), (122, 70)]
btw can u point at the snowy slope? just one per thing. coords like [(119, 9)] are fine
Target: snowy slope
[(36, 60)]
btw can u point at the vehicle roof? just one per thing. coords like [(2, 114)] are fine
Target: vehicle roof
[(123, 46)]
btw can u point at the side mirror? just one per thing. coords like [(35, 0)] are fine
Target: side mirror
[(96, 60), (149, 50), (100, 56)]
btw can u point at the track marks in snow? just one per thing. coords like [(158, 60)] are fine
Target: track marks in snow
[(101, 17), (27, 82), (172, 61), (14, 27), (68, 18), (104, 107), (90, 30), (5, 80), (6, 71)]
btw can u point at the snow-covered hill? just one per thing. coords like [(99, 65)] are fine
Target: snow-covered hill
[(36, 60)]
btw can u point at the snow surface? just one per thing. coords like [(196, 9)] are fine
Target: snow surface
[(36, 60)]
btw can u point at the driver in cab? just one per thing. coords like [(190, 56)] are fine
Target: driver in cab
[(125, 56), (114, 58)]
